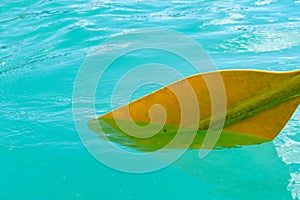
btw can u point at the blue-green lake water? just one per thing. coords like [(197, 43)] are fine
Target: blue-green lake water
[(42, 46)]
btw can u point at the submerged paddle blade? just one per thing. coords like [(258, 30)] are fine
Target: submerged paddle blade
[(258, 105)]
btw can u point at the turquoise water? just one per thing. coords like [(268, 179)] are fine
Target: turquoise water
[(42, 46)]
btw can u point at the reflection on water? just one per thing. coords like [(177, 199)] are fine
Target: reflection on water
[(249, 172)]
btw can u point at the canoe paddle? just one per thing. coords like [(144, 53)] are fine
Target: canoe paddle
[(258, 105)]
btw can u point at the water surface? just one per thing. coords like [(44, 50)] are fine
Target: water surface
[(42, 45)]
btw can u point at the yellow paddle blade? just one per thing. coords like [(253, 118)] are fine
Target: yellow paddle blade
[(259, 104)]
